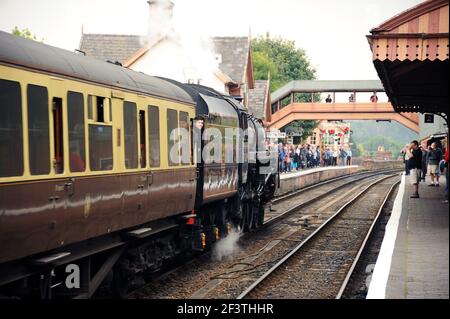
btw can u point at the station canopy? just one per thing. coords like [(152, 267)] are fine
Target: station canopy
[(410, 54)]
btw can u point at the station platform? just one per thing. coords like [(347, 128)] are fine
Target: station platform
[(413, 260), (293, 181), (307, 171)]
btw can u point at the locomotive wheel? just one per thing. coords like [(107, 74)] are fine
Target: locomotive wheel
[(260, 218), (250, 222), (247, 216)]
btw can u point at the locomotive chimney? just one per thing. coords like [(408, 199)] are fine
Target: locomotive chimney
[(160, 19)]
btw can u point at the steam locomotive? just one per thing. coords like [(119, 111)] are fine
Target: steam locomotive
[(93, 188)]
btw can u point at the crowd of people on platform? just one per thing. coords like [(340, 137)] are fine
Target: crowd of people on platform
[(293, 157), (420, 161)]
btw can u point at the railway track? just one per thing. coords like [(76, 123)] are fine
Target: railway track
[(320, 266), (282, 206), (228, 277)]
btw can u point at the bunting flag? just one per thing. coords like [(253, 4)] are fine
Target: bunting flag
[(331, 131)]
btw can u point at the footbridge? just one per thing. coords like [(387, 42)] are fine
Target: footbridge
[(300, 100)]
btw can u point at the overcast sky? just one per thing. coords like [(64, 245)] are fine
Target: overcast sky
[(332, 32)]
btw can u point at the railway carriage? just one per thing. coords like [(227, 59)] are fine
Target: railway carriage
[(86, 174)]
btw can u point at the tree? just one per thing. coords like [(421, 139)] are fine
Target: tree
[(283, 59), (285, 62), (353, 147), (25, 33), (361, 150)]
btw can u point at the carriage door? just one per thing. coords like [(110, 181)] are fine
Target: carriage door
[(59, 191), (134, 182), (145, 179)]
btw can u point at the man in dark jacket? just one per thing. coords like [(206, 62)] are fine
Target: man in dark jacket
[(434, 157), (424, 162), (415, 166)]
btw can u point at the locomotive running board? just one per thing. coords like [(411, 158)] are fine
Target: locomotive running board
[(49, 259), (147, 231)]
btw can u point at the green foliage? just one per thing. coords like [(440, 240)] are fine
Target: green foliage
[(285, 63), (25, 33), (361, 151), (265, 66), (356, 152), (306, 97)]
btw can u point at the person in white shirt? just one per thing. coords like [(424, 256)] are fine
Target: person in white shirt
[(349, 157)]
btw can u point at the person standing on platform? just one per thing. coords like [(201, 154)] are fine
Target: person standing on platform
[(342, 155), (328, 99), (304, 156), (349, 156), (297, 158), (308, 156), (287, 158), (292, 157), (424, 162), (405, 158), (434, 157), (317, 156), (330, 157), (314, 156), (415, 166), (282, 158)]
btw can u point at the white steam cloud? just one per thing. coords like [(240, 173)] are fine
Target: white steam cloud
[(227, 246), (186, 56)]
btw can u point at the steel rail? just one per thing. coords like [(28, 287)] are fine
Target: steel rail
[(329, 181), (315, 199), (309, 238), (364, 243)]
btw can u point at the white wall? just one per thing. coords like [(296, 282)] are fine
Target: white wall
[(169, 59)]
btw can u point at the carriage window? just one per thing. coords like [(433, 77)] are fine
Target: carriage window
[(99, 109), (130, 132), (11, 152), (58, 140), (142, 136), (153, 135), (75, 109), (186, 159), (100, 147), (172, 137), (38, 130)]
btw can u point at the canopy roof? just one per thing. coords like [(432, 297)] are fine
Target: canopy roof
[(411, 53)]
